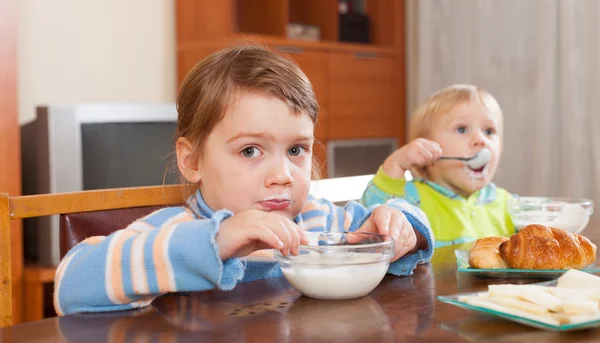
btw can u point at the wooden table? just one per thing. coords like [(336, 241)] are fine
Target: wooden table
[(399, 309)]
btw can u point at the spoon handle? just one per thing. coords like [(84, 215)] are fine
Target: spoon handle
[(456, 158)]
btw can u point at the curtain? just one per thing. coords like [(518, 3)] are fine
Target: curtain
[(540, 59)]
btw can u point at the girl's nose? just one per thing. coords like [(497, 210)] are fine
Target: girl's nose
[(279, 174)]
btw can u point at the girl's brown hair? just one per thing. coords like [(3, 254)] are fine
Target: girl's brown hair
[(211, 86)]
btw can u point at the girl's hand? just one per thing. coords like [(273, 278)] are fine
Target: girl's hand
[(248, 231), (419, 152), (388, 221)]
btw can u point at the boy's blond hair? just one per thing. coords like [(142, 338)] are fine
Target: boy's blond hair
[(444, 101)]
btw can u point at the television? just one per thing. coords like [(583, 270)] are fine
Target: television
[(91, 146)]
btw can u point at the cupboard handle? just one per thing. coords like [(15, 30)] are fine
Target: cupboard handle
[(290, 49), (364, 55)]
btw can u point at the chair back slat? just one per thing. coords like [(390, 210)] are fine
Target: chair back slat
[(105, 199)]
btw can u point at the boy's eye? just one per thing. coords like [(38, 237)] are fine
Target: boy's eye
[(297, 151), (461, 129), (489, 132), (250, 152)]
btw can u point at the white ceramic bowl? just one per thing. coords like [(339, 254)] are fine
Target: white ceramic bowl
[(568, 214), (338, 265)]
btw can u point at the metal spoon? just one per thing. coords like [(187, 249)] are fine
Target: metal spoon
[(477, 161)]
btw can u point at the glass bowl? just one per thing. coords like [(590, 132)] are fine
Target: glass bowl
[(568, 214), (338, 265)]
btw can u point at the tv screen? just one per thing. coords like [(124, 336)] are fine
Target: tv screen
[(71, 148), (127, 154)]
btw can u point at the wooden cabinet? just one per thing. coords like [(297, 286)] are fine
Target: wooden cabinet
[(362, 91), (203, 20), (360, 87)]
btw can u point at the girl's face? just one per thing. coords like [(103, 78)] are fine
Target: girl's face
[(463, 131), (258, 157)]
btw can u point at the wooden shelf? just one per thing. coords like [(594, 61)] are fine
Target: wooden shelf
[(342, 47), (320, 13), (272, 41), (270, 18)]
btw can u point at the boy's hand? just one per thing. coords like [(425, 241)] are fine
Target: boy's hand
[(248, 231), (419, 152), (388, 221)]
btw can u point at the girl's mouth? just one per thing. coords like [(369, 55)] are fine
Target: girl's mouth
[(275, 204)]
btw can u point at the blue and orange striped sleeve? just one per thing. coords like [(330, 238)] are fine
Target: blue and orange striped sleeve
[(170, 250)]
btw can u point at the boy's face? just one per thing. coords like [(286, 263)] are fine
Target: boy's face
[(258, 157), (462, 132)]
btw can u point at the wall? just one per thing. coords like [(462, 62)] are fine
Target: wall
[(10, 152), (73, 51)]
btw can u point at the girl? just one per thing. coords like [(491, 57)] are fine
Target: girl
[(244, 138)]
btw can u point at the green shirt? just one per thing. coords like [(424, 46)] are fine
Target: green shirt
[(453, 218)]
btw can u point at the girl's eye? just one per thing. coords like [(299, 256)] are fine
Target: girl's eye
[(250, 152), (297, 151), (489, 132), (461, 129)]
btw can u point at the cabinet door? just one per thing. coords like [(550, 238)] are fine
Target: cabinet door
[(203, 20), (314, 65), (362, 96)]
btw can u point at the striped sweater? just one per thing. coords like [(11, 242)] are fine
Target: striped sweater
[(174, 250)]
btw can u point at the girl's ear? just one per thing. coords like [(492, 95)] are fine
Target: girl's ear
[(189, 165)]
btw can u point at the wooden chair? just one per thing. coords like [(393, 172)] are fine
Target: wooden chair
[(64, 203), (101, 212)]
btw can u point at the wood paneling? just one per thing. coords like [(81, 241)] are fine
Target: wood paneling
[(193, 23), (320, 13), (382, 15), (362, 96), (314, 65), (399, 44), (10, 151), (189, 57), (267, 17)]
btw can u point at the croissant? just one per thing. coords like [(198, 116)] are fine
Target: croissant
[(485, 254), (541, 247)]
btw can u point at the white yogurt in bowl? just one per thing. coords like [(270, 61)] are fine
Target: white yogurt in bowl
[(338, 267)]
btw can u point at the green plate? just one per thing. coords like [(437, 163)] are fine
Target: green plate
[(453, 299), (462, 264)]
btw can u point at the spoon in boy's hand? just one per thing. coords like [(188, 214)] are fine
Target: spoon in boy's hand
[(477, 161)]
